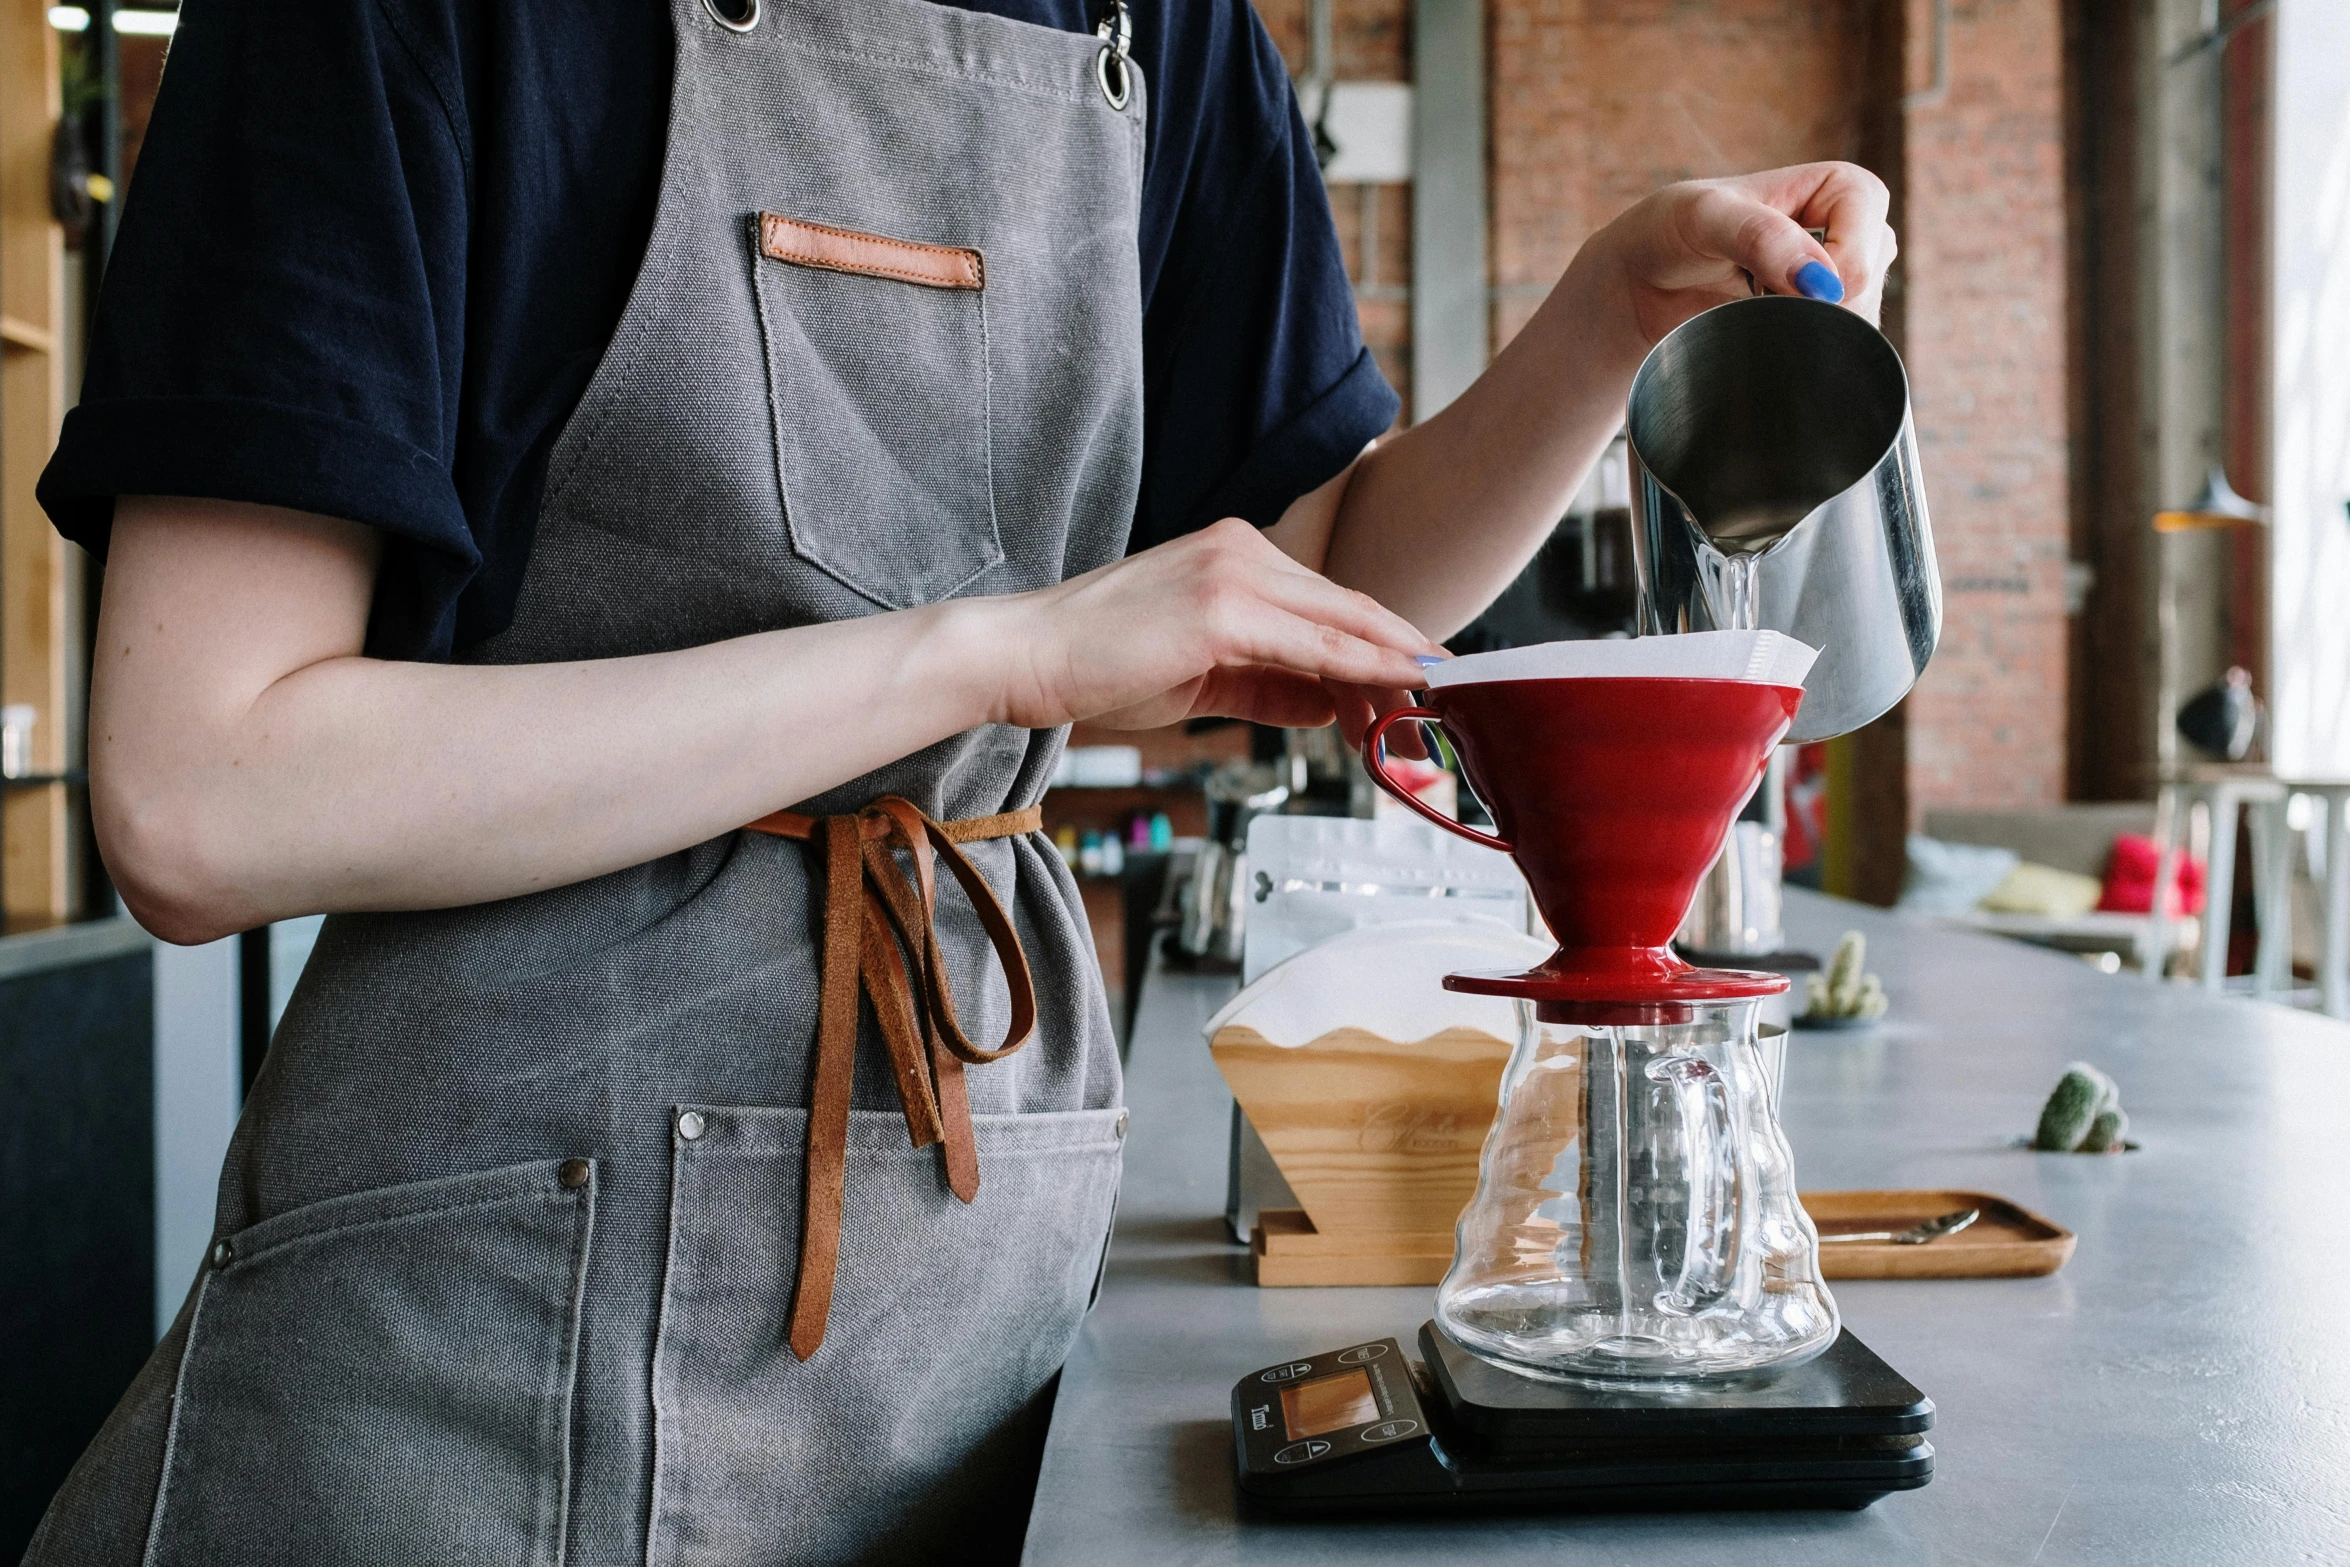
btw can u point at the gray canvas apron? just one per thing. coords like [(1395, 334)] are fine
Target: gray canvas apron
[(509, 1230)]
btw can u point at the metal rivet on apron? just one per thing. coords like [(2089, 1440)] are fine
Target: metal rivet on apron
[(690, 1125), (1121, 1124), (223, 1254), (745, 17), (572, 1173), (1112, 65)]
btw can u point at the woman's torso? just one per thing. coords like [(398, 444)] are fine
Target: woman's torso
[(466, 1205)]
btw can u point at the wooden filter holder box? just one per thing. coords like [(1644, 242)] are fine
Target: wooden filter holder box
[(1379, 1139)]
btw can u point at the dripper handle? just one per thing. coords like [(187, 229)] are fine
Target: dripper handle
[(1375, 763)]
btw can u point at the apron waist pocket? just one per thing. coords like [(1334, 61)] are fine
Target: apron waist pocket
[(383, 1378), (928, 1405)]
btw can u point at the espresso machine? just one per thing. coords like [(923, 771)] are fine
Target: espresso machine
[(1635, 1315)]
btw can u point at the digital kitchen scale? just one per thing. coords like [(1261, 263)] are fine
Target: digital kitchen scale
[(1366, 1427)]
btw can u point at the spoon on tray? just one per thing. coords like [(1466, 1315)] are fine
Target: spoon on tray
[(1916, 1234)]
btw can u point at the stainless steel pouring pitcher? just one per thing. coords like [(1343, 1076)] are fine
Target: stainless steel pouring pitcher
[(1775, 486)]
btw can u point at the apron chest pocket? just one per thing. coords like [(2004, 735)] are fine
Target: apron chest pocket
[(383, 1378), (877, 381)]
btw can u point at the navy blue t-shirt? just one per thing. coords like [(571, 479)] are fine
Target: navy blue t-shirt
[(375, 249)]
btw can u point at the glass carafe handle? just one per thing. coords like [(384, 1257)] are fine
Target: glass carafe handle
[(1717, 1178)]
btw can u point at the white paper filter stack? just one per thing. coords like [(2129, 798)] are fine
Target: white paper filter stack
[(1387, 979), (1766, 657)]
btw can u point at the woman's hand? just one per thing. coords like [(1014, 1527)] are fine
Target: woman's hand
[(1694, 245), (1218, 623)]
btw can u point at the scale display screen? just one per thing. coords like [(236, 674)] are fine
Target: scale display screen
[(1327, 1404)]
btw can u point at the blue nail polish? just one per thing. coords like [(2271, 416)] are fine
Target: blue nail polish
[(1427, 660), (1816, 281)]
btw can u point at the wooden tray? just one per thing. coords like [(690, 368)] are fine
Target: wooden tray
[(2007, 1242)]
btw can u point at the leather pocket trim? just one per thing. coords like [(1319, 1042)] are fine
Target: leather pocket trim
[(870, 255)]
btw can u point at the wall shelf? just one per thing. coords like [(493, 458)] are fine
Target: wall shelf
[(41, 612), (17, 333)]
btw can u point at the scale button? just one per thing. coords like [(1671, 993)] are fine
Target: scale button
[(1301, 1452), (1360, 1353), (1389, 1430), (1288, 1373)]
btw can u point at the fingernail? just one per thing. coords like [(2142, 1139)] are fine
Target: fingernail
[(1428, 660), (1816, 280)]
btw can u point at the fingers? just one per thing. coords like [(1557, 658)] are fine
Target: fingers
[(1280, 697), (1760, 221), (1307, 593), (1353, 709), (1851, 204), (1297, 619), (1142, 635), (1324, 602), (1740, 226), (1866, 276), (1267, 634), (1359, 705)]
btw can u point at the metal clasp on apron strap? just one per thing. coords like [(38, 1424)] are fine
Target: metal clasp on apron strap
[(1116, 31), (873, 921)]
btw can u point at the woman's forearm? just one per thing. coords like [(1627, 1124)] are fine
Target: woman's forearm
[(1436, 521), (354, 783)]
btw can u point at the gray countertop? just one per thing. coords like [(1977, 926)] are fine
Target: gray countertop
[(2179, 1393)]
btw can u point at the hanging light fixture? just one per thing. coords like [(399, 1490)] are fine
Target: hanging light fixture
[(2216, 505)]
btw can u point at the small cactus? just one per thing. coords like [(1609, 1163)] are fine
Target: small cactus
[(1844, 991), (2106, 1132), (2076, 1110)]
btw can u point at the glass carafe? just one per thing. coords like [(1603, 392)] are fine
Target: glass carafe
[(1636, 1218)]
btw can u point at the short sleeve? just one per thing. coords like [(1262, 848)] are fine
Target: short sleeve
[(1257, 385), (282, 316)]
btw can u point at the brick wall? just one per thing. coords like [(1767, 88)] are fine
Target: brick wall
[(1595, 103), (1983, 330)]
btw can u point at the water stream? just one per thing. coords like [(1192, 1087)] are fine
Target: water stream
[(1738, 590)]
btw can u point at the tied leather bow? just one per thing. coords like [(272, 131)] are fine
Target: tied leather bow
[(875, 923)]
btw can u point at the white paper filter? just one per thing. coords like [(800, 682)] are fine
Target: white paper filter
[(1388, 979), (1769, 658)]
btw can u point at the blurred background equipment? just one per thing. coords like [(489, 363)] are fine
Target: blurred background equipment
[(2224, 718)]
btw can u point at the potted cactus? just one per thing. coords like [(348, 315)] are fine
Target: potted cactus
[(2083, 1115), (1844, 997)]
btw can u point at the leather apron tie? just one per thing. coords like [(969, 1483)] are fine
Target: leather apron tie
[(875, 923)]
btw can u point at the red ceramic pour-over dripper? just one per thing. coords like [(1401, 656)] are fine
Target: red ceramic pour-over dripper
[(1614, 796)]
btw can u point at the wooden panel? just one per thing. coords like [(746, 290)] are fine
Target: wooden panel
[(1291, 1253), (23, 334), (1376, 1137), (35, 575)]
